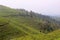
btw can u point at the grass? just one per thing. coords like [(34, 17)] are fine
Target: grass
[(23, 27)]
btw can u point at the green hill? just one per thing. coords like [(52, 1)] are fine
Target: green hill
[(6, 10), (19, 24), (7, 31)]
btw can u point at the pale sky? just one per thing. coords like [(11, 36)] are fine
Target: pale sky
[(47, 7)]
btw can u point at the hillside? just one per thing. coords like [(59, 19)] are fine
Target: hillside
[(6, 10), (7, 31), (20, 24), (56, 18)]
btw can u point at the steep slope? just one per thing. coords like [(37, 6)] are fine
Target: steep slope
[(32, 19), (19, 24), (38, 21), (6, 10), (7, 31), (56, 18)]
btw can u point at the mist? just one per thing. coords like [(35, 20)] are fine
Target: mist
[(46, 7)]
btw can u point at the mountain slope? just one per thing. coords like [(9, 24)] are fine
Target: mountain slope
[(56, 18), (44, 23), (19, 24), (7, 31), (6, 10)]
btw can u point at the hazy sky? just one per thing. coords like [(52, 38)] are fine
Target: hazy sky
[(48, 7)]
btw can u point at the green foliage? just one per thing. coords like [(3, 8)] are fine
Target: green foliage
[(19, 24), (7, 31), (50, 36)]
